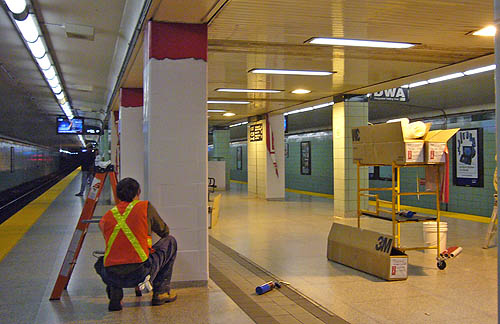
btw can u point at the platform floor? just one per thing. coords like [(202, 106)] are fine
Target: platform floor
[(254, 241)]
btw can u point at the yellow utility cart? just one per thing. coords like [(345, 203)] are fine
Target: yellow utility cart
[(393, 214)]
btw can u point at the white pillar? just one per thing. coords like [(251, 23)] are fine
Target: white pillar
[(131, 135), (176, 138), (345, 116), (263, 180), (113, 126)]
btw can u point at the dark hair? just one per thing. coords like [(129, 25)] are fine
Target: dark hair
[(127, 189)]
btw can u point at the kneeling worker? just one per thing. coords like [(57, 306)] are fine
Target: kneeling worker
[(129, 257)]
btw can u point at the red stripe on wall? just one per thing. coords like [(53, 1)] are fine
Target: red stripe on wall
[(131, 97), (177, 40)]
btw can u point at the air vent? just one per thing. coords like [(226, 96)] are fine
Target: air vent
[(79, 32)]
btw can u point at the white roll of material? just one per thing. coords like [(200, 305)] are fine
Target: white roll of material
[(410, 130)]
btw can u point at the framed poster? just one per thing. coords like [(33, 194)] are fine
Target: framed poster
[(305, 158), (468, 158), (239, 165)]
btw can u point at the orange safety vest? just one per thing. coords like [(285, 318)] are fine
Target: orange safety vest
[(125, 230)]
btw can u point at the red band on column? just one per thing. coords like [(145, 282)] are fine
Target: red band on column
[(131, 97), (177, 41)]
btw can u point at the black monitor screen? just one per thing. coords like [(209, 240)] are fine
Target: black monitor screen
[(73, 126)]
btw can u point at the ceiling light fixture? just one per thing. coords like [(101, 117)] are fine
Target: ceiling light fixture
[(309, 108), (248, 90), (16, 6), (301, 91), (229, 114), (480, 70), (228, 102), (446, 77), (291, 72), (486, 31), (357, 42), (216, 110), (29, 28), (239, 124)]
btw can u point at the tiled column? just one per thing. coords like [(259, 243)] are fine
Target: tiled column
[(263, 180), (346, 115), (221, 149), (131, 135), (176, 138)]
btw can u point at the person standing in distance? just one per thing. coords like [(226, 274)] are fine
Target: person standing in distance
[(87, 160), (129, 257)]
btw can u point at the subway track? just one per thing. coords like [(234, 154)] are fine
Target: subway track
[(14, 199)]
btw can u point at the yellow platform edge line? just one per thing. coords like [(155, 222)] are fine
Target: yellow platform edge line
[(13, 229), (387, 204)]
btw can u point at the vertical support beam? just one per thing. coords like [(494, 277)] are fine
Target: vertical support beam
[(345, 116), (131, 134), (263, 181), (113, 126), (176, 139)]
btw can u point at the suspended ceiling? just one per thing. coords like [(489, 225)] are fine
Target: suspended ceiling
[(247, 34)]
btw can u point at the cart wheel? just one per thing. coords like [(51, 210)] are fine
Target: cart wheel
[(138, 292), (441, 265)]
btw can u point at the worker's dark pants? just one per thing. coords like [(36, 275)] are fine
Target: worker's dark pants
[(87, 177), (159, 265)]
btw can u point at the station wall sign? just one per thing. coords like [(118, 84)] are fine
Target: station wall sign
[(256, 133), (394, 94)]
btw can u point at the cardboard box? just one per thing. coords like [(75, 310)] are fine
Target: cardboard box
[(385, 143), (367, 251), (435, 144)]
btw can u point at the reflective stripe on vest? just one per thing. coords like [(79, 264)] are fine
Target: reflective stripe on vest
[(122, 225)]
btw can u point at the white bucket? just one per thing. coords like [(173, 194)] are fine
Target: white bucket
[(430, 235)]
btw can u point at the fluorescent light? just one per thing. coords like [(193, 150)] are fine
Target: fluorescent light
[(54, 83), (44, 62), (486, 31), (37, 48), (16, 6), (291, 72), (216, 110), (480, 70), (228, 102), (60, 95), (248, 90), (446, 77), (357, 42), (239, 124), (326, 104), (301, 91), (418, 84), (229, 114), (49, 73), (57, 89), (28, 28)]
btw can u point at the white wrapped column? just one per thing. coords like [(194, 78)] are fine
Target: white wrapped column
[(176, 135)]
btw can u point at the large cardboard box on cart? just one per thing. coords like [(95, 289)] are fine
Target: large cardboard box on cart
[(385, 143), (367, 251)]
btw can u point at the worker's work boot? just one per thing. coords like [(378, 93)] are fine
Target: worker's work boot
[(115, 296), (162, 298)]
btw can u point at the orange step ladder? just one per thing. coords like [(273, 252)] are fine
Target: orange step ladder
[(81, 229)]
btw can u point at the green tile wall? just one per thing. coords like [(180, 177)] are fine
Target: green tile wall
[(468, 200), (321, 178)]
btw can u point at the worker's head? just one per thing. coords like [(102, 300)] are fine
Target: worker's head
[(127, 189)]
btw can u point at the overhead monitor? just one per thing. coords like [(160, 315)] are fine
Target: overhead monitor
[(66, 126)]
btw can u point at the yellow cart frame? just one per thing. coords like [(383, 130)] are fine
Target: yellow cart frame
[(396, 203)]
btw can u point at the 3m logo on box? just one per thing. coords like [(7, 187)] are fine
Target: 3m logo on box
[(384, 244)]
